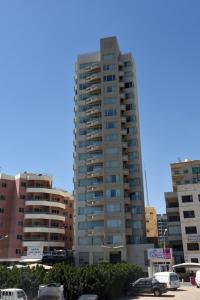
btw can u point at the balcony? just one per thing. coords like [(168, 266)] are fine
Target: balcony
[(94, 161), (123, 119), (121, 73), (93, 68), (94, 135), (126, 186), (93, 89), (93, 111), (95, 174), (126, 172), (127, 200), (125, 157), (93, 148), (94, 123), (44, 202), (128, 216), (43, 215), (36, 243), (122, 95), (93, 100), (95, 188), (96, 231), (95, 202), (172, 209), (124, 131), (95, 78), (121, 84), (95, 217), (124, 145), (43, 229)]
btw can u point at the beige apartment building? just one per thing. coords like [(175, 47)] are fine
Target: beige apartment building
[(151, 224), (183, 212), (108, 183)]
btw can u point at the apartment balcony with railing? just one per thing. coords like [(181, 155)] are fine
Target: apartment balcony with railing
[(93, 111), (94, 135), (93, 100), (94, 78), (93, 89), (95, 67), (94, 123)]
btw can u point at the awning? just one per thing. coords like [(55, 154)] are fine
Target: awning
[(30, 260), (187, 265)]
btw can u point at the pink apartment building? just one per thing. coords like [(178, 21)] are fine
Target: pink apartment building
[(33, 213)]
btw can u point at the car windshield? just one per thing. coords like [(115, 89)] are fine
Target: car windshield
[(173, 277)]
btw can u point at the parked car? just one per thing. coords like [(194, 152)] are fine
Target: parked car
[(12, 294), (170, 278), (147, 286), (51, 291), (88, 297), (197, 279)]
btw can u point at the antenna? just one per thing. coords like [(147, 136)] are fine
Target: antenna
[(145, 175)]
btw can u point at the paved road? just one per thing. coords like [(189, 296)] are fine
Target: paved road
[(184, 293)]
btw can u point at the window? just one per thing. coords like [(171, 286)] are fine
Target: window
[(114, 239), (187, 198), (20, 223), (109, 56), (4, 184), (112, 178), (112, 208), (18, 251), (196, 170), (134, 224), (113, 193), (110, 101), (188, 214), (23, 184), (112, 164), (19, 237), (132, 130), (135, 196), (130, 119), (111, 137), (185, 171), (114, 223), (110, 125), (193, 246), (110, 89), (110, 112), (190, 229), (84, 65), (127, 64), (22, 197), (110, 67), (21, 209), (83, 86), (109, 77), (112, 151), (133, 155), (134, 182), (132, 142), (136, 210), (128, 84), (1, 210), (194, 260), (2, 197)]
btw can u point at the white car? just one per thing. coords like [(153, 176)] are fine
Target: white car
[(170, 278), (12, 294), (197, 278)]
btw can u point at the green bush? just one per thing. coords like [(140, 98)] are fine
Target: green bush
[(104, 279)]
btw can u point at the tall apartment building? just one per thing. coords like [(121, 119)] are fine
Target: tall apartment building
[(151, 224), (162, 226), (182, 207), (108, 183), (32, 214)]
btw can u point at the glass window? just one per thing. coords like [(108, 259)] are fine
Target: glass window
[(109, 67), (113, 193), (110, 125), (110, 89), (130, 119), (110, 112), (187, 198), (130, 106), (193, 246), (110, 101), (132, 130), (84, 65), (189, 214), (109, 56), (109, 77), (136, 210), (111, 208), (112, 178), (133, 155), (114, 239), (114, 223), (135, 196), (134, 224), (127, 64), (190, 229), (134, 182), (196, 170), (111, 137), (112, 150), (112, 164)]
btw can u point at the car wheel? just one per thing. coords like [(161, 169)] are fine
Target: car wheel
[(157, 293)]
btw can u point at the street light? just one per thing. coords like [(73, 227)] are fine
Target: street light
[(165, 231)]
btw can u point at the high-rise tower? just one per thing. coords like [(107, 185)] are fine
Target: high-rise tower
[(108, 184)]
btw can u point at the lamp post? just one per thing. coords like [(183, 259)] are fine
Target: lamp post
[(165, 231)]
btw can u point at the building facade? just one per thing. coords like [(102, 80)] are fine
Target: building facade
[(182, 211), (162, 226), (151, 224), (108, 183), (32, 214)]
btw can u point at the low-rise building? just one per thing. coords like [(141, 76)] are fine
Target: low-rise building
[(33, 214)]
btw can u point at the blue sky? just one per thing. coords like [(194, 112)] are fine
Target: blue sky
[(39, 42)]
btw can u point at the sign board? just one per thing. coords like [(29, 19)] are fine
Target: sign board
[(35, 252), (159, 253)]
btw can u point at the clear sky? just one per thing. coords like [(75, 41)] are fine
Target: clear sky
[(39, 42)]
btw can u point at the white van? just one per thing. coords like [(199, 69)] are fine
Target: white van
[(170, 278), (12, 294), (197, 278)]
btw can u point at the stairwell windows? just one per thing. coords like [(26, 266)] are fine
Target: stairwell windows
[(110, 112), (112, 151), (112, 164), (111, 137), (114, 223), (110, 89), (114, 240), (109, 78), (111, 125), (109, 67), (112, 178), (113, 193), (113, 208), (110, 101), (109, 56)]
